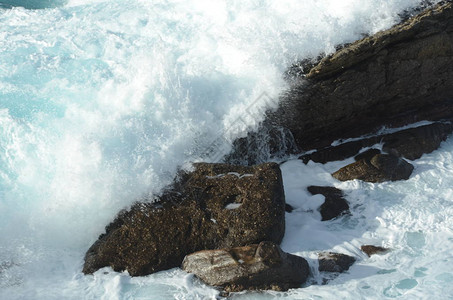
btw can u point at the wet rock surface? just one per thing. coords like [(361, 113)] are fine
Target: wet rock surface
[(371, 250), (380, 168), (334, 205), (396, 77), (252, 267), (334, 262), (268, 143), (215, 206), (334, 153), (414, 142), (409, 143)]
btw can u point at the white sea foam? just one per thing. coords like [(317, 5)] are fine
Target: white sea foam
[(101, 101), (412, 218)]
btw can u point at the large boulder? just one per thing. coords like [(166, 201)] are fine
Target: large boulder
[(334, 204), (382, 167), (215, 206), (262, 266), (393, 78)]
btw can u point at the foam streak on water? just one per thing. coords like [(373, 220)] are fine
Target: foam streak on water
[(101, 101)]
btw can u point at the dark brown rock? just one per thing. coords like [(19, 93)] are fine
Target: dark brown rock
[(266, 144), (334, 262), (370, 249), (288, 208), (340, 152), (334, 205), (414, 142), (410, 143), (215, 206), (381, 167), (253, 267), (396, 77)]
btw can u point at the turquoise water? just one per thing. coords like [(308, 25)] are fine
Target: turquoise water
[(32, 4), (101, 101)]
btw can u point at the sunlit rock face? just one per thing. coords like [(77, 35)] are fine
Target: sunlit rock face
[(215, 206), (258, 266)]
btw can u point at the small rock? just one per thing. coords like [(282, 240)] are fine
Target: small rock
[(253, 267), (370, 249), (381, 167), (334, 262), (288, 208), (334, 205)]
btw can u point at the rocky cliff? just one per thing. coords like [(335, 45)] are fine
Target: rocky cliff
[(395, 77)]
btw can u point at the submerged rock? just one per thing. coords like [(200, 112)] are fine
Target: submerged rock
[(253, 267), (370, 249), (381, 167), (334, 205), (215, 206), (396, 77), (334, 262)]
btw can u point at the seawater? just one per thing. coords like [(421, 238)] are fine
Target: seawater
[(101, 101)]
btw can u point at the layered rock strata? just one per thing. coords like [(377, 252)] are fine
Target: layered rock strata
[(396, 77)]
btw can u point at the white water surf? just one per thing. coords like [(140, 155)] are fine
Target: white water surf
[(101, 101)]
